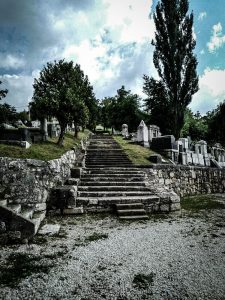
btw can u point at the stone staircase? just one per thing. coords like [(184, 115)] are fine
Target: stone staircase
[(19, 222), (111, 180)]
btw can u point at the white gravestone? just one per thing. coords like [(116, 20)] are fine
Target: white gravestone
[(125, 130), (142, 134)]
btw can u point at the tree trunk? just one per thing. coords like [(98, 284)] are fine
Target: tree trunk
[(61, 135), (75, 131)]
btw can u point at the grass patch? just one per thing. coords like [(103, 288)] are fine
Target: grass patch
[(142, 281), (136, 153), (20, 266), (44, 151), (200, 202)]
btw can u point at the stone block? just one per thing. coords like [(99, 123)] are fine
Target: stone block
[(155, 158), (73, 211), (49, 229), (175, 206), (164, 207)]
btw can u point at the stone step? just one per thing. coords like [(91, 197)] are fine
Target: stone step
[(114, 199), (111, 183), (113, 188), (103, 166), (131, 212), (133, 218), (88, 194), (115, 170), (15, 207), (128, 206), (114, 159), (113, 178), (3, 202)]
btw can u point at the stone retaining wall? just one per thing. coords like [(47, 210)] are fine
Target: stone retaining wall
[(28, 181), (188, 180)]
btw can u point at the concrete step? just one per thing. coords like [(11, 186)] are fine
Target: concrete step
[(125, 206), (92, 179), (90, 194), (118, 199), (131, 212), (15, 207), (133, 218), (103, 166), (111, 183), (114, 188), (116, 170)]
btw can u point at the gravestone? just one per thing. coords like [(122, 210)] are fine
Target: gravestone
[(185, 143), (163, 142), (142, 134), (125, 132), (153, 132)]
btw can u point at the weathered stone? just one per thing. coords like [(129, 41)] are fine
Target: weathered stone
[(49, 229), (73, 211), (155, 158)]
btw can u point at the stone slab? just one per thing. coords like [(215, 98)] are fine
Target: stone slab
[(49, 229)]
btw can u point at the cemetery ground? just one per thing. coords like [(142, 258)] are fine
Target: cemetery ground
[(46, 150), (170, 256)]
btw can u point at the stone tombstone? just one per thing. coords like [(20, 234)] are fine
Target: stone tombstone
[(155, 158), (153, 132), (185, 143), (163, 142), (142, 134), (44, 128), (180, 146), (125, 132)]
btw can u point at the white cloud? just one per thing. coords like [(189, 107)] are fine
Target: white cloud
[(9, 61), (202, 15), (217, 39), (211, 90)]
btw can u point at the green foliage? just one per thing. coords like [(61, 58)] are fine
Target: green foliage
[(174, 60), (7, 113), (195, 126), (64, 92), (121, 109), (216, 121)]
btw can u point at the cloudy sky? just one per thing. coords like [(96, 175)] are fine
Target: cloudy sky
[(110, 39)]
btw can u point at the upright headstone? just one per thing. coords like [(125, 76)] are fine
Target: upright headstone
[(44, 128), (185, 143), (142, 134), (125, 130), (153, 132)]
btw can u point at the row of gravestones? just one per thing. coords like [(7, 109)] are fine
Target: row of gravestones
[(182, 151)]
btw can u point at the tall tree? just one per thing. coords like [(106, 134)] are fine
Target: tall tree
[(174, 59)]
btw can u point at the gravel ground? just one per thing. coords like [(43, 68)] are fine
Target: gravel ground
[(99, 257)]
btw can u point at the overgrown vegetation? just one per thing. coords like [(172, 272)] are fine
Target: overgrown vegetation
[(201, 202), (20, 266), (43, 151), (136, 153)]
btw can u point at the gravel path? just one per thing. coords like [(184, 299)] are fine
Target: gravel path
[(170, 257)]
